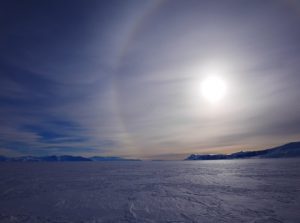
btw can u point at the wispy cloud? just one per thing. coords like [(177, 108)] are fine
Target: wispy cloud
[(124, 79)]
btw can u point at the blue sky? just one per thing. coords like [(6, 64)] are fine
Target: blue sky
[(123, 77)]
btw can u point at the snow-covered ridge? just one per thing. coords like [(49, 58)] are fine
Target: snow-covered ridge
[(288, 150)]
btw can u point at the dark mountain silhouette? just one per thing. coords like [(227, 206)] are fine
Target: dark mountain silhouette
[(64, 158)]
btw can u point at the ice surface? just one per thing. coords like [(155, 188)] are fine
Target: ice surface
[(259, 190)]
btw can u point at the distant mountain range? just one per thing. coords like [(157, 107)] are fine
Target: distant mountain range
[(285, 151), (65, 158)]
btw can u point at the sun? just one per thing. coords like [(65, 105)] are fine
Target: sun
[(213, 89)]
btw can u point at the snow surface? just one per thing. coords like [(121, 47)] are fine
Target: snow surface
[(260, 190)]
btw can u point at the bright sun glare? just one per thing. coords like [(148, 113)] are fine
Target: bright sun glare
[(213, 89)]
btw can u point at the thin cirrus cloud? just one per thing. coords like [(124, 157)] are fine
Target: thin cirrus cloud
[(109, 78)]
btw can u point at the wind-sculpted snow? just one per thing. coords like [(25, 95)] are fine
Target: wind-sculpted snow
[(183, 191)]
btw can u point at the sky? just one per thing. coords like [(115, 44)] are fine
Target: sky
[(123, 78)]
